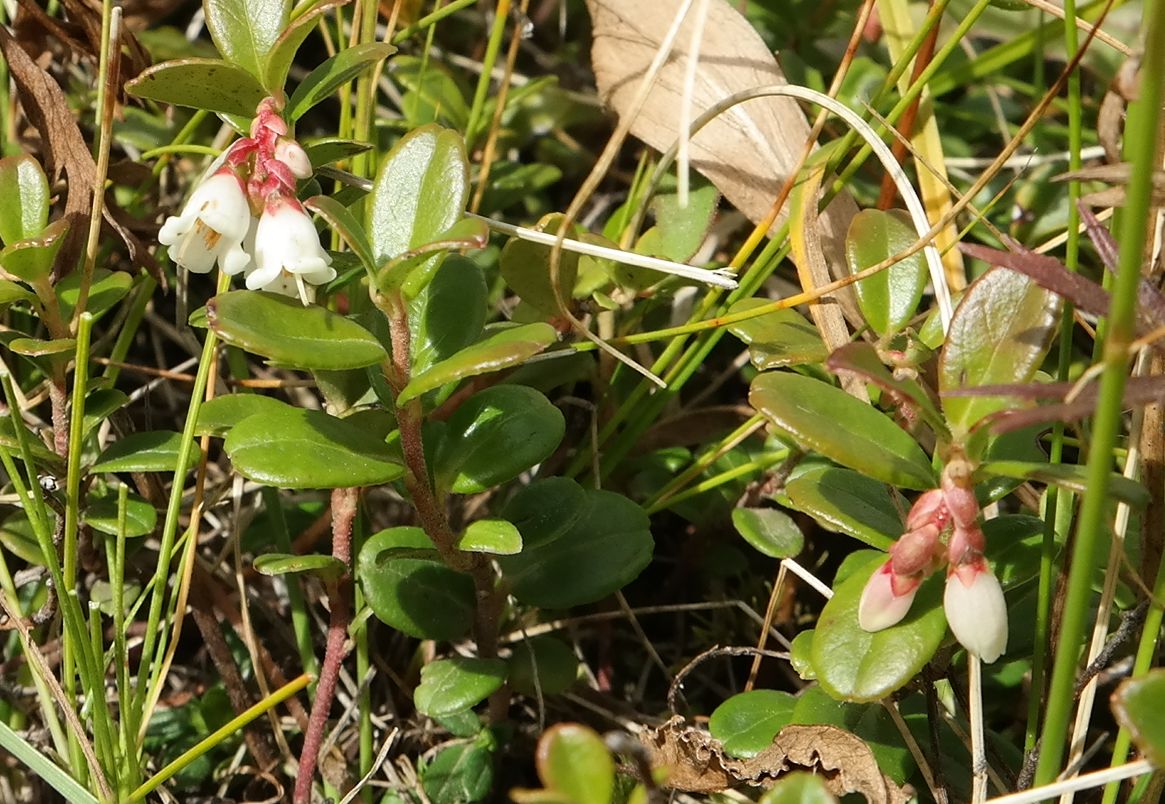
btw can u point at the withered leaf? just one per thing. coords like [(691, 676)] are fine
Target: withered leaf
[(748, 151), (696, 763), (64, 151)]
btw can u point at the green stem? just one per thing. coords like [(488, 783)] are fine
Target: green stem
[(492, 48), (1140, 134), (430, 20)]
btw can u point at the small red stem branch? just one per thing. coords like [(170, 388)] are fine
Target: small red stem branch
[(339, 592)]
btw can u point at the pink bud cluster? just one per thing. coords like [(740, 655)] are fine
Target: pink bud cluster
[(246, 217), (973, 600)]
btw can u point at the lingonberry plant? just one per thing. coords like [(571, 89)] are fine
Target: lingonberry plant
[(454, 494)]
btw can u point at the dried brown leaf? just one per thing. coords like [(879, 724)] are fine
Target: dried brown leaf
[(748, 151), (64, 152), (696, 763)]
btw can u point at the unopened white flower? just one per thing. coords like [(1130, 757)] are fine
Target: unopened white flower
[(286, 243), (976, 611), (291, 153), (212, 227), (880, 606)]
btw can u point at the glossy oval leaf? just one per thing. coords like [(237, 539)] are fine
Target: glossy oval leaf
[(495, 435), (1073, 477), (334, 73), (140, 516), (24, 198), (419, 192), (31, 259), (747, 723), (847, 502), (211, 84), (777, 339), (451, 685), (459, 774), (855, 665), (415, 594), (771, 532), (329, 568), (889, 298), (861, 359), (573, 760), (11, 292), (283, 49), (500, 349), (827, 420), (1000, 334), (217, 416), (107, 289), (494, 536), (448, 314), (543, 664), (283, 330), (152, 451), (606, 547), (245, 32), (308, 449), (1138, 703)]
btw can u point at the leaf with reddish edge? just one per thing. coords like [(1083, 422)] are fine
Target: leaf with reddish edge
[(862, 359), (1000, 333), (889, 298)]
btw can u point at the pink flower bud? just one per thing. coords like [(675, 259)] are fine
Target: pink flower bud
[(976, 610), (929, 508), (966, 546), (960, 499), (917, 551), (290, 153), (880, 605)]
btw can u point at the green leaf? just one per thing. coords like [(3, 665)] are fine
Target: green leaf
[(493, 536), (283, 51), (681, 230), (526, 267), (549, 659), (862, 359), (24, 198), (799, 787), (308, 449), (35, 347), (1014, 547), (418, 596), (778, 339), (211, 84), (495, 435), (217, 416), (326, 150), (31, 259), (100, 404), (448, 314), (771, 532), (889, 298), (1000, 334), (283, 330), (1073, 477), (847, 502), (419, 192), (42, 767), (341, 219), (245, 32), (152, 451), (459, 774), (574, 761), (451, 685), (747, 723), (329, 568), (11, 292), (430, 93), (827, 420), (334, 73), (855, 665), (605, 546), (1138, 703), (413, 270), (800, 652), (107, 289), (140, 516), (500, 349)]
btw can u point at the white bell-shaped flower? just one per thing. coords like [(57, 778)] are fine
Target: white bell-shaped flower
[(976, 611), (212, 227), (286, 243)]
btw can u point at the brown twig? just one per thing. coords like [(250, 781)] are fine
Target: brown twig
[(339, 590)]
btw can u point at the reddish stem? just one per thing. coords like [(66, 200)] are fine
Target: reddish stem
[(343, 512)]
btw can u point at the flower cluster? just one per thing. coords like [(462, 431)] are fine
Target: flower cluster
[(973, 600), (246, 217)]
